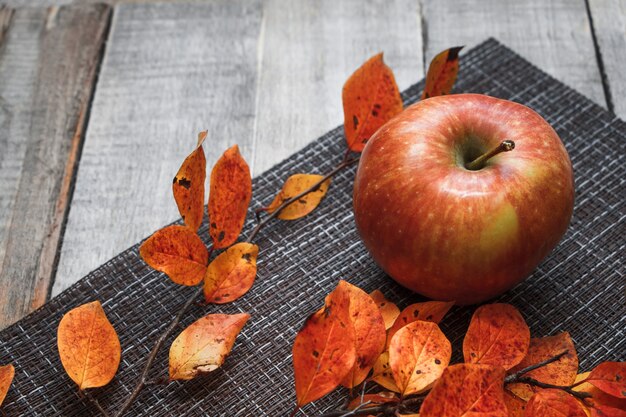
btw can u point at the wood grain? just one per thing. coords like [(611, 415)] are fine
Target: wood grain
[(554, 35), (309, 49), (609, 21), (54, 54), (170, 71)]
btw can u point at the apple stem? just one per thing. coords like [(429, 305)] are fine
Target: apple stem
[(478, 163)]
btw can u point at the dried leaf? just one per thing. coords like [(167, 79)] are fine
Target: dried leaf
[(382, 375), (323, 351), (295, 185), (442, 73), (598, 397), (467, 390), (231, 274), (418, 354), (515, 405), (432, 311), (204, 345), (178, 252), (497, 335), (369, 332), (7, 372), (88, 345), (389, 310), (610, 377), (374, 400), (553, 403), (231, 190), (188, 186), (370, 98), (561, 372)]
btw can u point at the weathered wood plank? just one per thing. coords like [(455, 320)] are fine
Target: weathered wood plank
[(609, 21), (308, 51), (554, 35), (170, 71), (53, 55)]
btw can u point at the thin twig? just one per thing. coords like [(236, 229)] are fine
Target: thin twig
[(388, 409), (518, 374), (566, 388), (153, 353), (94, 401)]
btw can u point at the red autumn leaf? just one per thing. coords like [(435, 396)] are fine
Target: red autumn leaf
[(204, 345), (389, 310), (188, 186), (88, 345), (515, 405), (323, 351), (231, 274), (178, 252), (562, 372), (295, 185), (467, 390), (432, 311), (418, 354), (598, 397), (369, 332), (497, 335), (442, 73), (231, 190), (370, 98), (553, 403), (606, 411), (374, 400), (7, 372), (610, 377), (382, 375)]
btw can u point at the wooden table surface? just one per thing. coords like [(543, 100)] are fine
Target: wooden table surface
[(99, 104)]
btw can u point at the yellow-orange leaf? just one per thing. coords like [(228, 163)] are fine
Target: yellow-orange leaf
[(294, 186), (188, 186), (610, 377), (370, 98), (7, 372), (553, 403), (373, 400), (231, 274), (178, 252), (432, 311), (231, 190), (497, 335), (561, 372), (204, 345), (382, 375), (467, 390), (598, 397), (88, 345), (389, 310), (323, 351), (369, 332), (442, 73), (418, 354)]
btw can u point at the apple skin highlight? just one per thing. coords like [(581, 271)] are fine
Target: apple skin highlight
[(451, 233)]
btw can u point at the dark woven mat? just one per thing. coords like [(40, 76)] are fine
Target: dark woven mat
[(579, 288)]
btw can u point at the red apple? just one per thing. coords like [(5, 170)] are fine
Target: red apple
[(451, 232)]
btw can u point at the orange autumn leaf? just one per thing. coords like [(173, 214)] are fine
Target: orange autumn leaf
[(230, 193), (442, 73), (370, 98), (178, 252), (323, 352), (204, 345), (497, 335), (562, 372), (432, 311), (418, 354), (373, 400), (294, 186), (188, 186), (389, 310), (610, 377), (7, 372), (598, 397), (88, 345), (382, 375), (514, 405), (231, 274), (553, 403), (467, 390), (369, 332)]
